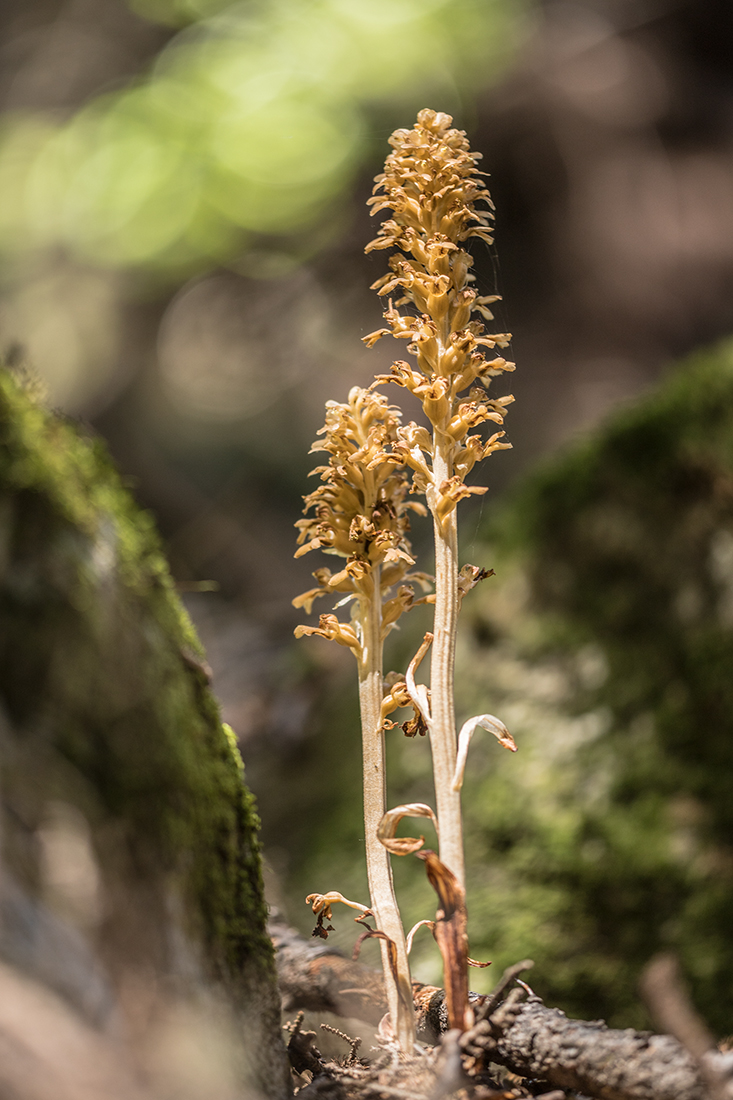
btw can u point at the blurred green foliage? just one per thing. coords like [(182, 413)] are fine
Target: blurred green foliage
[(253, 120), (605, 642)]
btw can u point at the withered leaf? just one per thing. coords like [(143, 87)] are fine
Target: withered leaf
[(403, 846), (373, 933), (450, 935), (321, 931)]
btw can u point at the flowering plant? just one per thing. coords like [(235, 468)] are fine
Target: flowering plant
[(360, 512)]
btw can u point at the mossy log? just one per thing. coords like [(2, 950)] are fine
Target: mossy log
[(107, 725)]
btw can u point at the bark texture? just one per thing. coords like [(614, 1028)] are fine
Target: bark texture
[(597, 1060), (113, 751)]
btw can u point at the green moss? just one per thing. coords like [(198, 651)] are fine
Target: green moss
[(100, 672)]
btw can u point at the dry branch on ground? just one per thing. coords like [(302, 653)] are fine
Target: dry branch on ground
[(514, 1029)]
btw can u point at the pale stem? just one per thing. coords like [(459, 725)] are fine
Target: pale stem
[(379, 870), (443, 740)]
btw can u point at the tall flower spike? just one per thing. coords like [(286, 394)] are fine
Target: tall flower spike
[(361, 513), (433, 188)]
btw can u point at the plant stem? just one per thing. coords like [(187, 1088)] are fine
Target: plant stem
[(443, 741), (379, 870)]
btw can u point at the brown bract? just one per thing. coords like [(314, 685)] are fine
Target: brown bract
[(451, 937), (404, 845)]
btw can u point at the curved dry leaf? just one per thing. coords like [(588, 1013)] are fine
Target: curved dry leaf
[(398, 696), (403, 845), (418, 692), (488, 722), (375, 934), (411, 934)]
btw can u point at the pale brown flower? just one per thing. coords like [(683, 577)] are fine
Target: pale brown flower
[(433, 188), (359, 512)]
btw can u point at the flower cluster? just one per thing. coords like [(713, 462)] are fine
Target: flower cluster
[(431, 184), (360, 512)]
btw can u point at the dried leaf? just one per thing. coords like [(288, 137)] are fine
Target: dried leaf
[(321, 930), (403, 845), (375, 934), (396, 697), (411, 934), (450, 935), (414, 726), (487, 722), (418, 692)]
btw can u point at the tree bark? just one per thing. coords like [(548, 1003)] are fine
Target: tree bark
[(130, 870), (597, 1060)]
